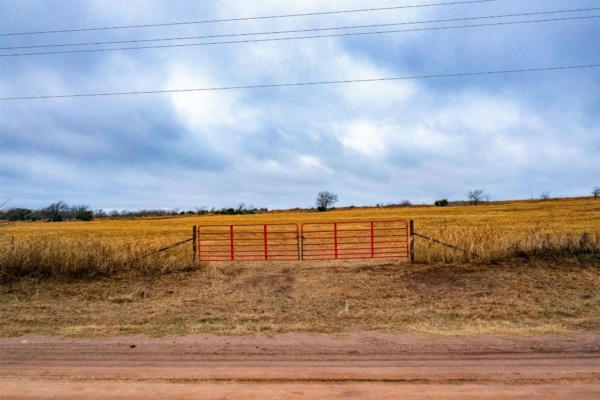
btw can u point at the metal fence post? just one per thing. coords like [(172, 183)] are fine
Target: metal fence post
[(335, 239), (411, 241), (231, 242), (194, 244), (300, 240), (265, 242), (372, 240)]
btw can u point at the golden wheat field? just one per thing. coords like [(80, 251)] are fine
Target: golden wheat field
[(493, 231), (538, 273)]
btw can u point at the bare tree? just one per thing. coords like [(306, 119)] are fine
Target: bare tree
[(241, 208), (55, 211), (202, 210), (325, 199), (545, 195), (596, 192), (476, 196)]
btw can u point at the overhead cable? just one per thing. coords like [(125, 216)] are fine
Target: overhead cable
[(298, 30), (209, 21), (298, 37), (315, 83)]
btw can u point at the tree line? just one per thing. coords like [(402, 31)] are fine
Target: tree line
[(61, 211), (55, 212)]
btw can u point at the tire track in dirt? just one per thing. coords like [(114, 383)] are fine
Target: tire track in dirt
[(297, 366)]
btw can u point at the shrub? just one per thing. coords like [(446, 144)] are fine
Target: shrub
[(18, 214), (545, 195), (441, 203), (84, 215)]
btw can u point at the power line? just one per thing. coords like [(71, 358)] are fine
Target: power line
[(278, 85), (298, 37), (210, 21), (300, 30)]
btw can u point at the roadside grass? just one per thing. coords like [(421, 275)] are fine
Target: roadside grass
[(515, 297)]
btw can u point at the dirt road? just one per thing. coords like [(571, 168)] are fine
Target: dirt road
[(301, 366)]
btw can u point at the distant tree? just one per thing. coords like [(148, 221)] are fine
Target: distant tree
[(476, 196), (596, 192), (441, 203), (325, 200), (55, 212), (202, 210), (17, 214), (83, 213), (545, 195), (99, 213)]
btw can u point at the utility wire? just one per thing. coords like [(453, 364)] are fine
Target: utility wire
[(299, 30), (298, 37), (278, 85), (210, 21)]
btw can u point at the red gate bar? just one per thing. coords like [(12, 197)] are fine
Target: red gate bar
[(355, 240), (251, 242)]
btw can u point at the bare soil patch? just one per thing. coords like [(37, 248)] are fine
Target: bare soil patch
[(357, 365)]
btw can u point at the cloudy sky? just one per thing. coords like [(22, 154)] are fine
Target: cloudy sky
[(513, 135)]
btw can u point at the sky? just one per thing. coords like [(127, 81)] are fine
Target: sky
[(514, 135)]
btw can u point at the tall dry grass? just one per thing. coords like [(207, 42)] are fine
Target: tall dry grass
[(485, 244), (494, 232), (56, 256)]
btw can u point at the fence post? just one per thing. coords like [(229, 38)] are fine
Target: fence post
[(335, 241), (231, 242), (194, 244), (411, 241), (265, 242), (300, 240), (372, 241)]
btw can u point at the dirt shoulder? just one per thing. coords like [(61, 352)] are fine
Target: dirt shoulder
[(519, 297), (355, 365), (292, 345)]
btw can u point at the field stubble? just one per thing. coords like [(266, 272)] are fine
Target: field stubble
[(495, 232), (539, 272)]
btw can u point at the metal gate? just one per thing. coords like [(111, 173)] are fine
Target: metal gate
[(265, 242), (356, 240)]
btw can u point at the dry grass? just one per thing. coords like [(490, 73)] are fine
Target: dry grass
[(526, 297), (495, 231), (540, 273), (56, 256)]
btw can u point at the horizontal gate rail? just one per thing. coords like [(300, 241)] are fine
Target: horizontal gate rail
[(355, 240), (251, 242)]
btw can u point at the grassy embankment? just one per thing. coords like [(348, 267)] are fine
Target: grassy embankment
[(540, 272)]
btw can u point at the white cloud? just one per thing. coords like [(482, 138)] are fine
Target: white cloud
[(220, 116), (367, 137), (311, 162)]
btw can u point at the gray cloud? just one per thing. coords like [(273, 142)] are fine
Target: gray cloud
[(514, 136)]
